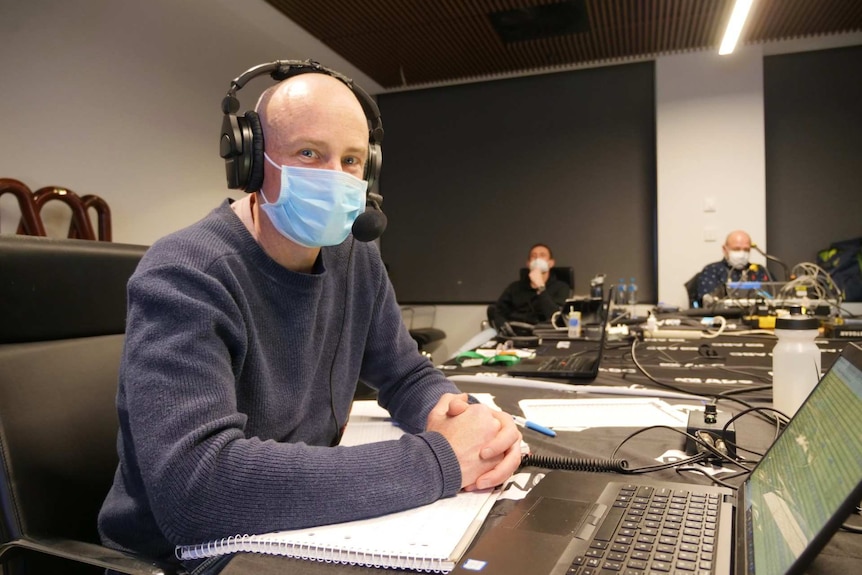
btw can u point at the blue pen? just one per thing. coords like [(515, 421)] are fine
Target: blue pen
[(534, 426)]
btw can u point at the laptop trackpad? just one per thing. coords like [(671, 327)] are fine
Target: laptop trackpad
[(552, 516)]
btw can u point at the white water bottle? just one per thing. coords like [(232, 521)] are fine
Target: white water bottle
[(795, 361), (621, 295), (574, 324), (633, 292)]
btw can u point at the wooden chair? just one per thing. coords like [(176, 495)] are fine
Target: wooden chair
[(79, 226), (103, 215), (31, 223)]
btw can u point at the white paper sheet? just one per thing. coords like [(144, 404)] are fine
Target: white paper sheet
[(580, 414)]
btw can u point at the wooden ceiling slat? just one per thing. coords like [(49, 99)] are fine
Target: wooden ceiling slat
[(674, 25), (667, 25), (643, 26), (450, 40), (716, 23), (650, 44)]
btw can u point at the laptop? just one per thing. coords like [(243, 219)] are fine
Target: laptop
[(797, 496), (576, 359)]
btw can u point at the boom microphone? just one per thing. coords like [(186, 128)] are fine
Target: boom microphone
[(787, 275), (371, 223)]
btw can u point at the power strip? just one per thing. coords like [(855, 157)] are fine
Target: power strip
[(673, 334)]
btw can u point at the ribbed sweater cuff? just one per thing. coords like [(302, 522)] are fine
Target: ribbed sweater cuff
[(446, 458)]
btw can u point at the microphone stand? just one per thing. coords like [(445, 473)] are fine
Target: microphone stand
[(787, 275)]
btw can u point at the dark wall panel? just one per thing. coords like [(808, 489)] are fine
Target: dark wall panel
[(813, 110), (473, 175)]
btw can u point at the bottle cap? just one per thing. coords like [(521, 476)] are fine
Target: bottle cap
[(796, 322)]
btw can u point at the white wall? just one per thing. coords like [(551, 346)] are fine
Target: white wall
[(710, 156), (122, 99)]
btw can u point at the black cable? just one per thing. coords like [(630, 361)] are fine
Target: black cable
[(575, 463), (724, 368), (338, 427), (649, 376), (723, 395), (777, 418), (853, 528), (754, 375), (709, 451), (741, 390), (722, 482), (702, 457)]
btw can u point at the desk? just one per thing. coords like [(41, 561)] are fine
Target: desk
[(842, 555), (727, 363)]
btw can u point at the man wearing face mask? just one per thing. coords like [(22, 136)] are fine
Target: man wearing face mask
[(535, 298), (246, 335), (735, 266)]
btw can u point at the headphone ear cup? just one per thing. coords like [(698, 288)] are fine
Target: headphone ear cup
[(255, 169), (230, 148), (372, 167)]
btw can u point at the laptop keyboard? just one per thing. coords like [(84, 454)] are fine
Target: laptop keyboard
[(566, 363), (652, 530)]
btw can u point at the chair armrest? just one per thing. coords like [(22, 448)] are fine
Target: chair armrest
[(88, 553)]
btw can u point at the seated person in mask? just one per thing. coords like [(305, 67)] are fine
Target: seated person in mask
[(734, 267), (534, 299), (247, 332)]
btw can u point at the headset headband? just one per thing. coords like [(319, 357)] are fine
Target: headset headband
[(242, 146)]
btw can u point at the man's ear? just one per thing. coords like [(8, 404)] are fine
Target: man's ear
[(551, 263)]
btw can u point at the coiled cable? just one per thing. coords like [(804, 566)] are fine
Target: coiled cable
[(575, 463)]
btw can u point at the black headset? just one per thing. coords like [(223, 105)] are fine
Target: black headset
[(241, 143)]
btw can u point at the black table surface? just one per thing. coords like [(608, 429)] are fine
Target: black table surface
[(843, 554)]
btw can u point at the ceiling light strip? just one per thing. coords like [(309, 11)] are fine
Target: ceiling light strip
[(734, 26)]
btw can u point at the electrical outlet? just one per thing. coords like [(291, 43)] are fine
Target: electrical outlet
[(709, 204), (709, 234)]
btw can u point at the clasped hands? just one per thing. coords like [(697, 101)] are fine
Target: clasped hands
[(486, 441)]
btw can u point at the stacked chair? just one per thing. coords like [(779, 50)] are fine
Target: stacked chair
[(31, 203)]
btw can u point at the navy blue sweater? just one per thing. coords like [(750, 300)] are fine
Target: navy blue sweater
[(237, 374)]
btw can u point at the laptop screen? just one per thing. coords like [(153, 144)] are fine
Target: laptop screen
[(808, 476)]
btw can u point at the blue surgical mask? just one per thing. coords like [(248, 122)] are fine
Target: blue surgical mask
[(315, 207)]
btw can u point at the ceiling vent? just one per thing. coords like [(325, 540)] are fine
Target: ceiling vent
[(538, 22)]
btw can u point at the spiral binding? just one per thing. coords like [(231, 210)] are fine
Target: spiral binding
[(376, 558), (575, 463)]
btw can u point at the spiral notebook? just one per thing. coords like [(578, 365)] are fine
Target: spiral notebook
[(430, 538)]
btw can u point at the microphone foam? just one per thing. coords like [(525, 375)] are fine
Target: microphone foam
[(370, 225)]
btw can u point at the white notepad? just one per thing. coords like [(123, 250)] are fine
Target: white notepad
[(430, 538)]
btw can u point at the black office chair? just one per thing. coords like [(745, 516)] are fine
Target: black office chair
[(63, 305), (691, 290), (427, 337)]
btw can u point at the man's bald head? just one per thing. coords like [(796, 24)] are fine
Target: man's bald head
[(736, 248), (737, 240), (309, 98)]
